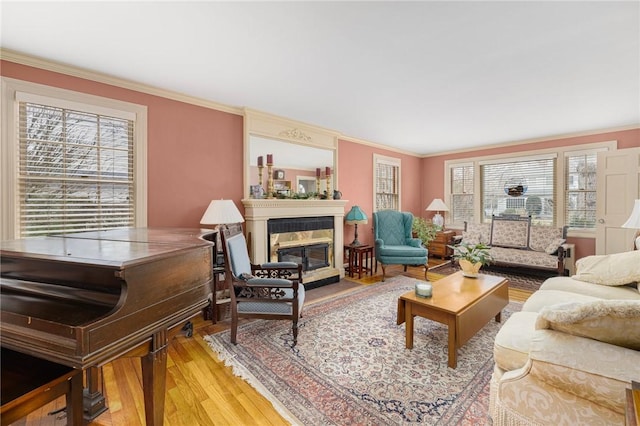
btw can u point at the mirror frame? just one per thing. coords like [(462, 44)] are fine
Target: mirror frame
[(270, 126)]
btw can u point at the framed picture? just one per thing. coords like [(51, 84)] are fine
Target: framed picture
[(278, 174), (257, 191)]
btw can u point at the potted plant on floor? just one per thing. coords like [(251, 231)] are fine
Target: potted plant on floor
[(471, 257), (424, 230)]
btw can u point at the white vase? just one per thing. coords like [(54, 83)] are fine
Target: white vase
[(469, 269)]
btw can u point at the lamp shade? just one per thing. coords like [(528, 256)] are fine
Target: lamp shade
[(221, 212), (437, 205), (634, 219), (355, 216)]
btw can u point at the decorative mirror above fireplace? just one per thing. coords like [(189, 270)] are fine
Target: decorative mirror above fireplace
[(299, 151)]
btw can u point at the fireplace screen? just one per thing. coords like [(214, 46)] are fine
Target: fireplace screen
[(313, 256)]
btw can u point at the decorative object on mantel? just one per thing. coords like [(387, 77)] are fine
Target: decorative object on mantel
[(634, 223), (259, 192), (438, 205), (471, 257), (354, 217), (328, 176), (269, 176), (515, 186)]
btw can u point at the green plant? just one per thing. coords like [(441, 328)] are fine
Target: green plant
[(424, 229), (474, 253)]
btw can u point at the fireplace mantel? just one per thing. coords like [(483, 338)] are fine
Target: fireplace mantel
[(259, 211)]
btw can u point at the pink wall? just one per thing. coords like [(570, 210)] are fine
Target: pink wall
[(195, 153), (355, 167), (432, 173)]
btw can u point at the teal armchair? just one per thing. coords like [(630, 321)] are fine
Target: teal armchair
[(394, 242)]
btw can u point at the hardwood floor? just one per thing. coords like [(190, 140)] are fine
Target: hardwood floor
[(200, 389)]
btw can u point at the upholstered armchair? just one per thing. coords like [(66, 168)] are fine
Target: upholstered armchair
[(267, 291), (394, 242)]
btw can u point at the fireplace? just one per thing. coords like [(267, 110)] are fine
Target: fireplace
[(304, 240), (304, 231)]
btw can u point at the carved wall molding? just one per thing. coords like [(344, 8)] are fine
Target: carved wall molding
[(295, 134)]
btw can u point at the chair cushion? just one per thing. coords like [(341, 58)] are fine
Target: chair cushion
[(402, 251), (283, 308), (239, 255)]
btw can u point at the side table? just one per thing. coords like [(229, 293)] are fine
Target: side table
[(439, 245), (359, 259), (217, 290)]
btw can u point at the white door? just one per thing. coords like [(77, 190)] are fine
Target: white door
[(618, 187)]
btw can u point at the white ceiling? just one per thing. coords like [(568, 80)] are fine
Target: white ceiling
[(424, 77)]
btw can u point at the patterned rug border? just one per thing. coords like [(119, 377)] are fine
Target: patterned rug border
[(463, 401)]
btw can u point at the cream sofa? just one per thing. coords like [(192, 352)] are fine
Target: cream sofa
[(569, 355), (516, 243)]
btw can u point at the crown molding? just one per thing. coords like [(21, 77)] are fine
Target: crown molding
[(377, 145), (45, 64)]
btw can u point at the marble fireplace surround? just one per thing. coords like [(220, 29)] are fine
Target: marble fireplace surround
[(259, 211)]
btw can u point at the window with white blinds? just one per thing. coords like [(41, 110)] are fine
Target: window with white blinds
[(580, 190), (76, 170), (461, 205), (387, 183), (520, 187)]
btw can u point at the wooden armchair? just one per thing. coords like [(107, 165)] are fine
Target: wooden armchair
[(267, 291)]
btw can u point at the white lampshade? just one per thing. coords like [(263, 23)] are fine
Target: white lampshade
[(634, 219), (221, 212), (437, 205)]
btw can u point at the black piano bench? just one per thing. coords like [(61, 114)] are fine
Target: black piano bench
[(29, 383)]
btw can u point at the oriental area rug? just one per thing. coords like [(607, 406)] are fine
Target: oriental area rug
[(519, 281), (351, 367)]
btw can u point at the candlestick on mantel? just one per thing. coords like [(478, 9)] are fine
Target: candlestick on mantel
[(269, 159), (260, 161), (328, 171), (318, 172)]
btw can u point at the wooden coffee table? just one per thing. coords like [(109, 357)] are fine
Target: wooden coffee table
[(465, 305)]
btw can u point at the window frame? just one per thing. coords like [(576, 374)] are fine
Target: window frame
[(559, 182), (9, 146), (391, 161)]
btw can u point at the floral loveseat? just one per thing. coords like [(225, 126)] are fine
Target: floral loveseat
[(569, 355), (516, 243)]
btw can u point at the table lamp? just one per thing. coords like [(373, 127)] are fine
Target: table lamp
[(634, 223), (354, 217), (220, 213), (437, 205)]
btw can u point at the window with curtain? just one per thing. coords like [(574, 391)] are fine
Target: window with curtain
[(75, 170), (580, 190), (461, 205), (387, 183), (520, 187)]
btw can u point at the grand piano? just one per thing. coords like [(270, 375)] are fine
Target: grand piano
[(85, 299)]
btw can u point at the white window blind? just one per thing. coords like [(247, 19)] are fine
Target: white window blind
[(387, 184), (75, 170), (580, 190), (523, 187), (461, 209)]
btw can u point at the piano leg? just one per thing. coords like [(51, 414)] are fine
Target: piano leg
[(154, 370), (93, 399)]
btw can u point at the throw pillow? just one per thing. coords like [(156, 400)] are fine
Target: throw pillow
[(609, 269), (610, 321), (554, 245)]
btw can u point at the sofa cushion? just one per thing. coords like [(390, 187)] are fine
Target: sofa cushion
[(610, 269), (512, 343), (554, 245), (540, 299), (510, 233), (541, 236), (530, 258), (610, 321), (568, 284)]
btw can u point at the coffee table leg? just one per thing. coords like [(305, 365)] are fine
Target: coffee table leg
[(408, 321), (453, 353)]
